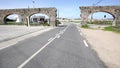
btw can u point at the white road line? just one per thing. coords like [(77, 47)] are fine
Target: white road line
[(50, 39), (23, 64), (85, 43), (61, 32), (81, 34), (57, 36), (66, 28), (30, 58)]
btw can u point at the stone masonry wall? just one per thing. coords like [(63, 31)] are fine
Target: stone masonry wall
[(113, 10), (27, 12)]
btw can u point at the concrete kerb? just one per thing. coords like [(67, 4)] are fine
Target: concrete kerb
[(12, 41)]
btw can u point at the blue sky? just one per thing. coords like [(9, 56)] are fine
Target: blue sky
[(67, 8)]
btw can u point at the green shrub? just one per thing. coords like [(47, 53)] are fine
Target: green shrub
[(13, 23), (39, 24), (35, 24), (85, 26), (57, 22), (109, 28), (101, 22), (46, 24)]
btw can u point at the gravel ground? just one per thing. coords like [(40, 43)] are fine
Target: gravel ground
[(106, 44)]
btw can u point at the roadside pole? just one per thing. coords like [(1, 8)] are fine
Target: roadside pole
[(28, 22)]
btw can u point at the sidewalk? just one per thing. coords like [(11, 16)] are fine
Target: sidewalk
[(15, 34), (8, 32)]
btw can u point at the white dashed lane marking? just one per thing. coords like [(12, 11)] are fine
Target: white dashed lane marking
[(50, 39), (85, 43)]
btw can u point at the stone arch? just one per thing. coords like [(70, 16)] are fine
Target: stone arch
[(113, 10), (26, 12), (41, 14), (38, 13), (50, 12), (106, 12), (113, 15), (8, 14)]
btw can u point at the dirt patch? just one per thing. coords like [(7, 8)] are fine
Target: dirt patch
[(106, 44)]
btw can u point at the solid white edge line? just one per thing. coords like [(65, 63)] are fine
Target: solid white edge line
[(30, 58), (85, 43)]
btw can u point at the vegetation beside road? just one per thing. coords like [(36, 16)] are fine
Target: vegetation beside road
[(112, 28), (57, 22), (100, 22), (39, 24), (85, 26), (109, 26), (21, 23), (12, 23)]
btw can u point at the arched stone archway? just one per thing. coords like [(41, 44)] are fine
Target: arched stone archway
[(16, 17), (113, 10), (25, 13), (39, 18)]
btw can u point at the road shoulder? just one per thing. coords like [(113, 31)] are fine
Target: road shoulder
[(106, 44)]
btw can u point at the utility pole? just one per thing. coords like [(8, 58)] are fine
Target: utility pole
[(58, 14), (28, 24), (94, 4), (28, 19), (33, 3), (97, 2), (92, 15)]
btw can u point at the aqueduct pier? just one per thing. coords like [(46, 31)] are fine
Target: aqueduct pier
[(27, 12), (88, 10)]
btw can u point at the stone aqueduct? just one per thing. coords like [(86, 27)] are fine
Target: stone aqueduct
[(52, 13), (88, 10), (26, 13)]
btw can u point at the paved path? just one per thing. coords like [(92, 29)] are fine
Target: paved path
[(62, 47), (9, 32)]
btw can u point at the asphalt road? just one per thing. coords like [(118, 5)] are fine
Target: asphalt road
[(62, 47)]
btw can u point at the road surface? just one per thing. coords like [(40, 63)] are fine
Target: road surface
[(62, 47)]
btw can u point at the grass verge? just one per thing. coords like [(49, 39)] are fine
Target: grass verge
[(85, 26), (112, 28)]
